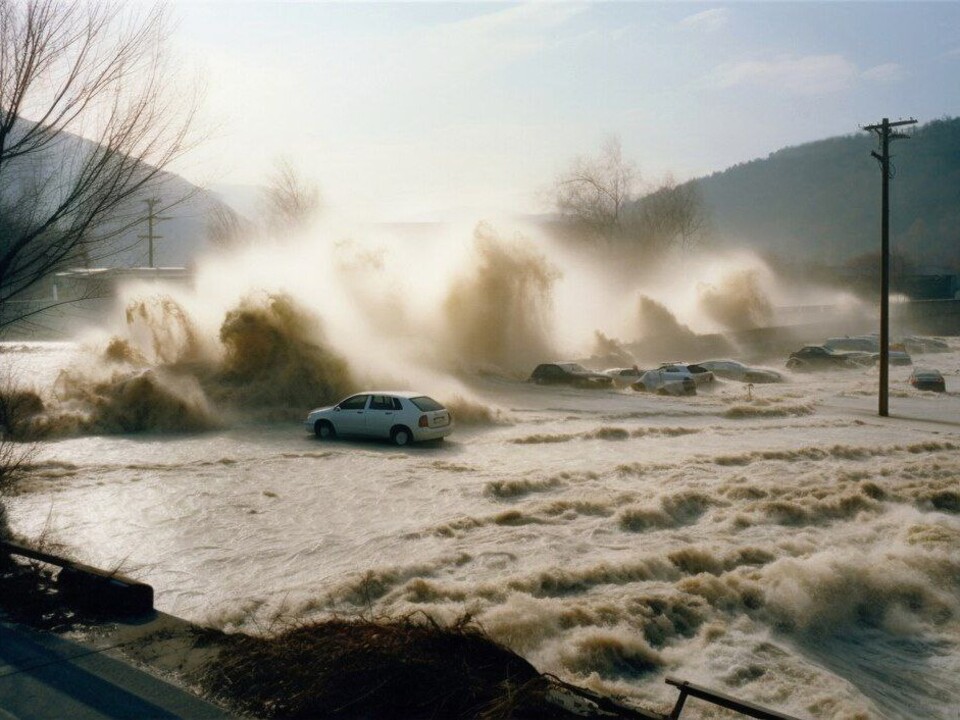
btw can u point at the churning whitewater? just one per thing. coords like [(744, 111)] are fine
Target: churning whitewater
[(778, 542)]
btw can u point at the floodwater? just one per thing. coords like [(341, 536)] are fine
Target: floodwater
[(783, 543)]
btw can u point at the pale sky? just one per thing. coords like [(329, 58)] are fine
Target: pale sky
[(412, 111)]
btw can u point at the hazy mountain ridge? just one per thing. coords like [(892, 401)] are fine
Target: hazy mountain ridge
[(821, 201), (182, 212), (814, 202)]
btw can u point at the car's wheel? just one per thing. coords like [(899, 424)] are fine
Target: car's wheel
[(639, 387), (401, 436), (324, 430)]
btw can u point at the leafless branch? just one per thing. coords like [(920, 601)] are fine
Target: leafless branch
[(88, 122), (594, 192), (290, 201)]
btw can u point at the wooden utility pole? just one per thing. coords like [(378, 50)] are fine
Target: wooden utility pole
[(885, 134), (152, 218)]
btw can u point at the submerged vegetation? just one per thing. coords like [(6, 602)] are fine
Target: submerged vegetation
[(408, 667)]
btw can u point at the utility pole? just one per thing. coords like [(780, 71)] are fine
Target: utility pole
[(885, 134), (152, 218)]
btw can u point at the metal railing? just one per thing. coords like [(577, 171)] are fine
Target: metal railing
[(717, 698)]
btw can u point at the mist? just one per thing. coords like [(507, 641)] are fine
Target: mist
[(303, 317)]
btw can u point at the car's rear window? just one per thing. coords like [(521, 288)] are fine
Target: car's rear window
[(426, 404)]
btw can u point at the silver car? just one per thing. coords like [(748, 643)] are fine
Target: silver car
[(403, 417), (735, 370)]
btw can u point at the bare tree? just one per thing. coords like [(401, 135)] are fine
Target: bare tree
[(88, 122), (226, 228), (594, 193), (671, 216), (290, 201), (599, 202)]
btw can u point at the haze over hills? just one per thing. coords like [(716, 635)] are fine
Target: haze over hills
[(182, 210), (821, 201), (818, 202)]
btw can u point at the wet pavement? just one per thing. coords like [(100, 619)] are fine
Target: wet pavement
[(46, 677)]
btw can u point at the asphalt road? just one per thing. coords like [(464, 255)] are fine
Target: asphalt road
[(45, 677)]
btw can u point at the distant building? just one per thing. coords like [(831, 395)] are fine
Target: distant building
[(923, 283), (88, 283), (928, 284)]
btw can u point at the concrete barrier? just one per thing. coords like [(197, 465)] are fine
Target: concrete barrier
[(92, 589)]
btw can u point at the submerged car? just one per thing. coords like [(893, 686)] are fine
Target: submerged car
[(403, 417), (666, 382), (915, 344), (569, 373), (818, 357), (896, 354), (735, 370), (675, 372), (862, 343), (928, 379), (624, 377)]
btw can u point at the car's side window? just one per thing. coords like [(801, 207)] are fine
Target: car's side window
[(381, 402), (357, 402), (397, 405)]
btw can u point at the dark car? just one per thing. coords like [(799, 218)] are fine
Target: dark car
[(569, 373), (818, 357), (861, 343), (927, 379)]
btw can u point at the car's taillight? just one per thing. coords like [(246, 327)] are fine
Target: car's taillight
[(424, 422)]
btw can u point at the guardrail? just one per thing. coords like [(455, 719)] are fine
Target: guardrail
[(717, 698), (91, 588)]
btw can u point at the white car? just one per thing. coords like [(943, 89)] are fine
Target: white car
[(666, 382), (677, 371), (735, 370), (624, 377), (404, 417)]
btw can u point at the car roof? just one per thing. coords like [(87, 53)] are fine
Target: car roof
[(397, 393)]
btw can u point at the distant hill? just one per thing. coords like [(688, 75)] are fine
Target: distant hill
[(247, 200), (184, 208), (182, 231), (821, 201)]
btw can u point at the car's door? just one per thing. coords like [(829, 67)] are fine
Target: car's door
[(350, 415), (555, 374), (381, 415), (654, 379), (672, 373)]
